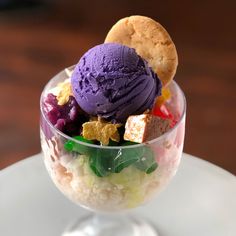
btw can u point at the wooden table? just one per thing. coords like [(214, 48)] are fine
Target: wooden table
[(36, 43)]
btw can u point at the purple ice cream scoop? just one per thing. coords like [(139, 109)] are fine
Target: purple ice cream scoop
[(113, 82)]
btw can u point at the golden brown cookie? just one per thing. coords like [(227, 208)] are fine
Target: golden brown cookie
[(150, 40)]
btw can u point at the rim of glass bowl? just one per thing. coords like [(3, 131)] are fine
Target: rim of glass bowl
[(110, 147)]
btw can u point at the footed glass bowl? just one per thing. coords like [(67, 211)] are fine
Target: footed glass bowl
[(108, 180)]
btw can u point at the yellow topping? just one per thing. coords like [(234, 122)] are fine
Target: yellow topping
[(101, 131), (166, 94), (64, 93)]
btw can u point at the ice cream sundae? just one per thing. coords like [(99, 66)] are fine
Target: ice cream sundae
[(112, 126)]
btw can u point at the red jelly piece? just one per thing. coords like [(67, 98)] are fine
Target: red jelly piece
[(164, 113)]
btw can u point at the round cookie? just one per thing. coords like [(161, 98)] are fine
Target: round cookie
[(150, 40)]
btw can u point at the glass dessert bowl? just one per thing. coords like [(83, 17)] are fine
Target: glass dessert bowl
[(112, 179)]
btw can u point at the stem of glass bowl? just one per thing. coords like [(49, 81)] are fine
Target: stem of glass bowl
[(105, 224)]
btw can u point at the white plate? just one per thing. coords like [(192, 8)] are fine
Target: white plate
[(200, 201)]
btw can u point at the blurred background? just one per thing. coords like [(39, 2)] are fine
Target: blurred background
[(40, 38)]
